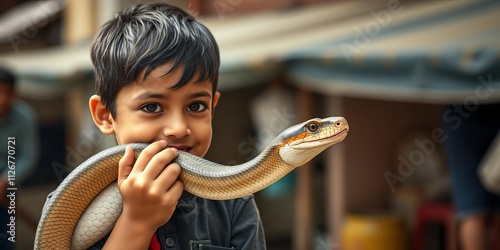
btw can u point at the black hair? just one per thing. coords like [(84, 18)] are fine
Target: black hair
[(146, 36)]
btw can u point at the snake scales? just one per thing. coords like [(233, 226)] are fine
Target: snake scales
[(85, 206)]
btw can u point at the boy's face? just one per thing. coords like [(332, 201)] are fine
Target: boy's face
[(152, 110)]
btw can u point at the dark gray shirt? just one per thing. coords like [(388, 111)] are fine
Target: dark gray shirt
[(198, 223)]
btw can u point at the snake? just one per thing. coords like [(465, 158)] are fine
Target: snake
[(85, 206)]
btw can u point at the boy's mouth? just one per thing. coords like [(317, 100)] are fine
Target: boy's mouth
[(184, 148)]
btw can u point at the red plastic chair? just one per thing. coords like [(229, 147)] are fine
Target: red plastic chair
[(443, 213)]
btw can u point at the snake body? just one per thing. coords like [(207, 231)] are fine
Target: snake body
[(85, 206)]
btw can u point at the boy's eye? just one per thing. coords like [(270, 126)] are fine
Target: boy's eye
[(152, 108), (196, 107)]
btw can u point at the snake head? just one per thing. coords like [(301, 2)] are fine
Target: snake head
[(302, 142)]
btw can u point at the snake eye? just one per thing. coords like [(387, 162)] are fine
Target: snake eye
[(312, 127)]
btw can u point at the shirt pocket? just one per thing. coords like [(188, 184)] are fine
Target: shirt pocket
[(205, 245)]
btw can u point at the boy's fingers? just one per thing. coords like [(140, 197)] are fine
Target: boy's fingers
[(125, 164), (175, 192), (147, 154), (169, 176), (159, 162)]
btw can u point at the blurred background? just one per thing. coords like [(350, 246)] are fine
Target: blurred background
[(392, 68)]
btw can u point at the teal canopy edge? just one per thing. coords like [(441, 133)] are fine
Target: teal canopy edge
[(424, 74), (317, 50)]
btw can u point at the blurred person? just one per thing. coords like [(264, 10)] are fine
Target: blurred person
[(18, 129), (469, 135)]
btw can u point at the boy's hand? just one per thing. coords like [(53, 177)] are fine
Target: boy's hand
[(150, 189)]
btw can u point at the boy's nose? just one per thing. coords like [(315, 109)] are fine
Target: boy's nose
[(176, 128)]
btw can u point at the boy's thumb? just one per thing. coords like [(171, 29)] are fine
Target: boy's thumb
[(125, 164)]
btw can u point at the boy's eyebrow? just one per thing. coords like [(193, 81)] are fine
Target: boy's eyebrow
[(200, 94), (148, 95)]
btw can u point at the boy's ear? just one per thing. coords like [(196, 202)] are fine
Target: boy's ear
[(216, 98), (101, 115), (215, 101)]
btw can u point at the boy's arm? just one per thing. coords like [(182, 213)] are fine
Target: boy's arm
[(150, 192)]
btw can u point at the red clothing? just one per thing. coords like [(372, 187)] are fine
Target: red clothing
[(154, 245)]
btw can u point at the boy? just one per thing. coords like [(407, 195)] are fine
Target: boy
[(156, 73)]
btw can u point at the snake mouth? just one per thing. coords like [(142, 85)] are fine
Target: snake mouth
[(342, 133), (337, 137)]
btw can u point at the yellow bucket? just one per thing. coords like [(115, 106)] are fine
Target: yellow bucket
[(373, 232)]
